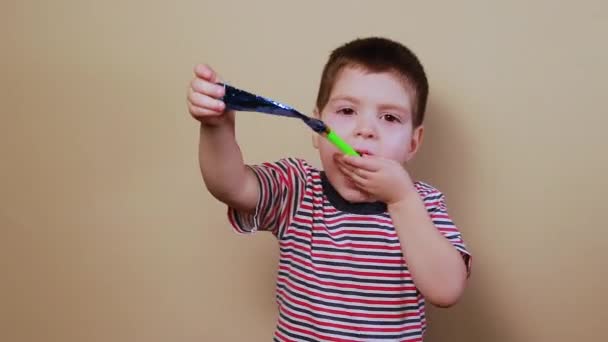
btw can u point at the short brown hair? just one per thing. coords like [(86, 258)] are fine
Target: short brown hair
[(377, 54)]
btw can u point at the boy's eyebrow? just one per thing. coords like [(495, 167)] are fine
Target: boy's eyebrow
[(344, 98), (396, 107)]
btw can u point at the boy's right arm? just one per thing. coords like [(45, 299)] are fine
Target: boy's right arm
[(221, 162)]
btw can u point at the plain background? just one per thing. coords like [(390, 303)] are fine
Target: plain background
[(108, 234)]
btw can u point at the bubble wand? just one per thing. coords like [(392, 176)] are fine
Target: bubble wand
[(237, 99)]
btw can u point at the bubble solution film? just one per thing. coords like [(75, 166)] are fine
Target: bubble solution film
[(241, 100)]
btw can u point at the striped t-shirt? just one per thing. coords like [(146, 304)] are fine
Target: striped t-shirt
[(342, 275)]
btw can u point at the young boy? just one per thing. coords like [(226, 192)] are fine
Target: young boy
[(362, 245)]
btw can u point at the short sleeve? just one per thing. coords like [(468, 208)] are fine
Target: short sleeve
[(281, 189), (436, 206)]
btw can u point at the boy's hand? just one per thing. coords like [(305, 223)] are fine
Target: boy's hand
[(204, 98), (383, 179)]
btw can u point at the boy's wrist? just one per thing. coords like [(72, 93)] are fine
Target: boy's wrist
[(226, 119), (405, 202), (217, 126)]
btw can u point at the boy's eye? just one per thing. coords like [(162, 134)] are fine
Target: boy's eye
[(390, 118), (346, 111)]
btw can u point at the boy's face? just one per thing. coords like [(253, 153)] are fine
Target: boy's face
[(373, 113)]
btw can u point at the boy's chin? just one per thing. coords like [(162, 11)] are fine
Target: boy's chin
[(354, 195)]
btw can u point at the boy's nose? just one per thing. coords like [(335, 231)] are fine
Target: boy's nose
[(365, 128)]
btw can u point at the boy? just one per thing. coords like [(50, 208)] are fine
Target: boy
[(362, 246)]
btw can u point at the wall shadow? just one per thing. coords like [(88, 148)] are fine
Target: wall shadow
[(448, 160)]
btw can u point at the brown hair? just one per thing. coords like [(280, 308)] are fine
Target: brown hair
[(377, 54)]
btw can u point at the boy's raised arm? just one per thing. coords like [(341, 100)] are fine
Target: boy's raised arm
[(221, 162)]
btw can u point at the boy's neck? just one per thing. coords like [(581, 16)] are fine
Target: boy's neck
[(340, 203)]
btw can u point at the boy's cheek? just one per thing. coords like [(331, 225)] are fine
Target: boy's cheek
[(326, 148), (342, 127), (334, 120)]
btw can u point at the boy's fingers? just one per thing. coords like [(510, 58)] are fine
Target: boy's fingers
[(204, 71), (359, 180), (345, 170), (207, 88), (348, 172), (199, 112), (366, 163), (352, 172), (342, 165), (206, 102)]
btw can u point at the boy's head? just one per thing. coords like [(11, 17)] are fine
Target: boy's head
[(373, 93), (378, 55)]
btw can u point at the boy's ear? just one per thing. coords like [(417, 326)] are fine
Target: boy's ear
[(315, 136), (416, 141)]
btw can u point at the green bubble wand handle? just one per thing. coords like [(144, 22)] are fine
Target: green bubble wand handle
[(340, 143)]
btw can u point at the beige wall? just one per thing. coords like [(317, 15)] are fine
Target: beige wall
[(107, 233)]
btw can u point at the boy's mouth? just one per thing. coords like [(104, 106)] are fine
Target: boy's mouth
[(363, 152)]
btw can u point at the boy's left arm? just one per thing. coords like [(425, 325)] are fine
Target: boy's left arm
[(438, 268)]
